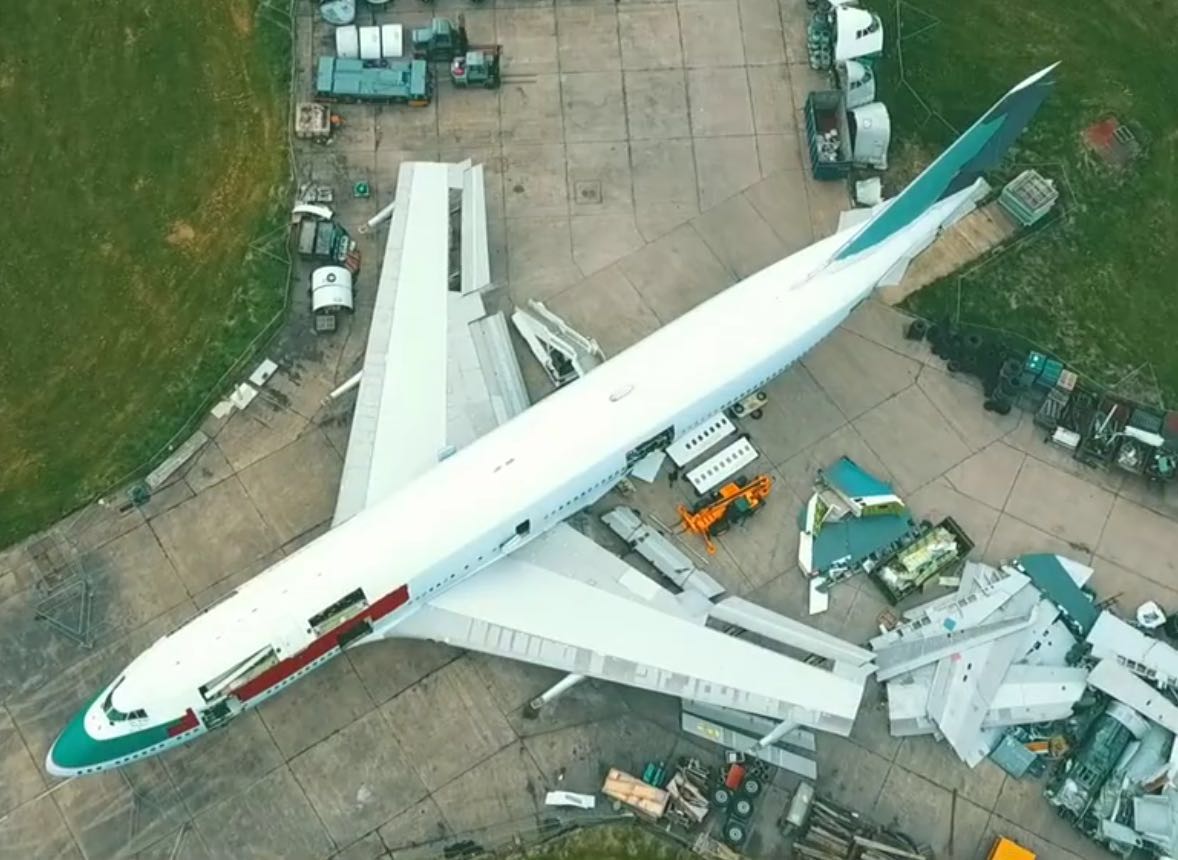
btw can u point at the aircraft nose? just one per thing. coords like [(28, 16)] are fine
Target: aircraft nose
[(74, 749)]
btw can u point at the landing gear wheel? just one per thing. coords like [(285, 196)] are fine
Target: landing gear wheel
[(742, 807), (757, 414), (721, 796), (751, 787), (734, 833)]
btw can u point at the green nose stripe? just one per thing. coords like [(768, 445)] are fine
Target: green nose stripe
[(77, 749)]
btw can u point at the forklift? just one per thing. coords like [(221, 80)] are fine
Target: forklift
[(478, 67), (441, 41), (730, 505)]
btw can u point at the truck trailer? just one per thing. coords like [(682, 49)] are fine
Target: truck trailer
[(348, 79), (840, 139)]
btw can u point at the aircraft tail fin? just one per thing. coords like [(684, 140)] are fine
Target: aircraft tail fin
[(980, 148)]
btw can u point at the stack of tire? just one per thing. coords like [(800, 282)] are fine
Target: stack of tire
[(973, 354), (736, 795)]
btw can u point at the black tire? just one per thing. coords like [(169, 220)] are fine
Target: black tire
[(916, 330), (734, 833), (721, 796), (742, 807), (751, 787), (756, 414), (762, 396)]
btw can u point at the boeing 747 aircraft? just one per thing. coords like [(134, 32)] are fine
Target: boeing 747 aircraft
[(460, 536)]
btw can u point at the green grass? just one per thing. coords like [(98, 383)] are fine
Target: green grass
[(142, 155), (608, 842), (1099, 287)]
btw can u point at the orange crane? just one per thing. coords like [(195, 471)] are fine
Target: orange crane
[(730, 505)]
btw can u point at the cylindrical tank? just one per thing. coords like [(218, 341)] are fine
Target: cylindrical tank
[(347, 42), (370, 43)]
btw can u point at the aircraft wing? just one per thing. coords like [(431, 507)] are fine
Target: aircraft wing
[(438, 370), (565, 602)]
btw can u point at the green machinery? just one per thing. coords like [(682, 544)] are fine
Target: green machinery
[(478, 67), (346, 79), (1077, 784), (441, 41)]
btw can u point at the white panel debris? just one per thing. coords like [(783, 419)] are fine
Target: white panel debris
[(662, 552), (718, 468), (1112, 678), (1146, 656), (702, 439), (993, 654)]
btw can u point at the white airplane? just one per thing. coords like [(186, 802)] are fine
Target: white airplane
[(468, 546)]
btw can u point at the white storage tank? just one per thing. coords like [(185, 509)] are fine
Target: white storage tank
[(370, 43), (391, 44), (331, 290), (347, 42)]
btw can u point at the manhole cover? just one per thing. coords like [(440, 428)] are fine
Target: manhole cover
[(587, 191)]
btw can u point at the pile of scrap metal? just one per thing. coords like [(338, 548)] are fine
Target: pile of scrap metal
[(827, 831), (1097, 426), (1022, 665), (991, 655), (854, 523), (1119, 784)]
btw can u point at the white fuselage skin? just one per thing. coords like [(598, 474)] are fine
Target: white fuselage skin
[(538, 468)]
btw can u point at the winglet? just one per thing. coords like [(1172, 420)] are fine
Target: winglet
[(979, 149)]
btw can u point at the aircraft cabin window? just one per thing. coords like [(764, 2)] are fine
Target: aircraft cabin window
[(114, 714)]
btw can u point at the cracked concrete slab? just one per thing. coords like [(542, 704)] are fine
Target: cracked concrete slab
[(214, 534), (909, 433), (358, 778), (272, 819), (859, 375), (1059, 504), (449, 721), (312, 462), (988, 475), (676, 273)]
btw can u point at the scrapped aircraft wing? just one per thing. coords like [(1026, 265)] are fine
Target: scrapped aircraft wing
[(565, 602), (438, 370)]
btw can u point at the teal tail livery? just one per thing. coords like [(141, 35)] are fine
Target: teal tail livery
[(979, 149)]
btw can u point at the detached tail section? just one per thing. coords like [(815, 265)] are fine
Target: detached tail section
[(979, 149)]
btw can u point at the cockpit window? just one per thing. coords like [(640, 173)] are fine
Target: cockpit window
[(114, 714)]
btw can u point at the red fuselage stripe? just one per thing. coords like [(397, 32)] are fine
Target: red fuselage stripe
[(281, 671), (184, 724)]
